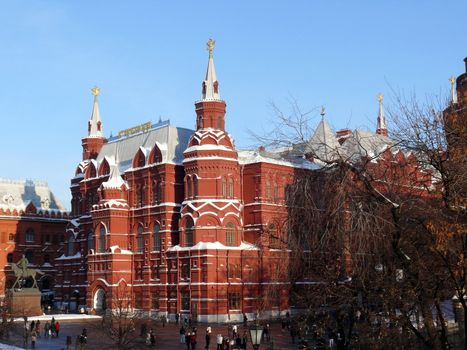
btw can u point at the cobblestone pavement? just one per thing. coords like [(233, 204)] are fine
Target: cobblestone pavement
[(167, 338)]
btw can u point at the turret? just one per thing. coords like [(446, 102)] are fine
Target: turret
[(95, 139), (381, 128)]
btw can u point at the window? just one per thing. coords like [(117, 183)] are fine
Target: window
[(188, 187), (71, 245), (141, 160), (47, 238), (157, 237), (231, 188), (91, 241), (268, 190), (138, 301), (155, 301), (139, 239), (195, 187), (30, 235), (140, 195), (102, 239), (189, 233), (11, 237), (230, 234), (157, 192), (234, 301), (9, 258), (224, 187), (274, 237), (185, 271), (276, 192), (234, 271), (185, 300), (46, 259)]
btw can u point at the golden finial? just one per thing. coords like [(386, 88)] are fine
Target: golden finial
[(96, 91), (380, 98), (452, 80), (211, 43), (323, 111)]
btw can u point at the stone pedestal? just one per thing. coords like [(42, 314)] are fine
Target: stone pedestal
[(25, 302)]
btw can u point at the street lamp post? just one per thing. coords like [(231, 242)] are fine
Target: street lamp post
[(256, 332)]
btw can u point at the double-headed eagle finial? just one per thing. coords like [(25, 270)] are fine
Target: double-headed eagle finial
[(211, 43), (380, 97), (96, 91)]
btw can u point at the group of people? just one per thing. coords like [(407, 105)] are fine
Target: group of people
[(51, 329)]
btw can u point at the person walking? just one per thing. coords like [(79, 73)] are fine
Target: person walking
[(33, 339), (57, 328), (219, 340), (193, 341), (244, 340), (188, 340), (177, 318), (47, 330), (234, 331), (53, 331), (208, 338), (38, 328), (182, 334), (152, 338), (31, 326)]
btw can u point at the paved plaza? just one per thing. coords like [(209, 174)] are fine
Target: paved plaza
[(167, 337)]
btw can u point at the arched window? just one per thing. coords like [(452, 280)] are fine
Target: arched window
[(189, 189), (189, 233), (268, 190), (224, 187), (91, 241), (30, 235), (157, 192), (139, 238), (9, 258), (102, 239), (231, 188), (157, 237), (71, 245), (141, 160), (276, 192), (140, 195), (230, 234), (195, 186), (274, 238)]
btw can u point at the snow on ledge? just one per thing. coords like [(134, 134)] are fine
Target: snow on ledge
[(63, 257), (213, 245), (114, 248)]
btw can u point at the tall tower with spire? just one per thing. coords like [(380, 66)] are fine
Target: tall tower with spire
[(212, 207), (381, 128), (95, 139)]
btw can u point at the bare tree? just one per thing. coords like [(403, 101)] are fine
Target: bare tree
[(380, 231)]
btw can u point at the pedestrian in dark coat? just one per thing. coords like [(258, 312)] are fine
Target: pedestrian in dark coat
[(208, 340), (188, 340), (244, 340)]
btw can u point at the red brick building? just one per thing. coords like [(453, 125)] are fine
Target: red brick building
[(32, 222), (184, 221)]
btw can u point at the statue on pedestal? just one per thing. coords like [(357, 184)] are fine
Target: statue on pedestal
[(22, 272)]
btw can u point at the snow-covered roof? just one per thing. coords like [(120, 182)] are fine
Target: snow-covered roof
[(323, 144), (278, 158), (17, 194), (171, 140), (365, 143)]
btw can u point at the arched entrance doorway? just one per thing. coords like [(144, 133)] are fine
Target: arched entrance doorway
[(99, 300)]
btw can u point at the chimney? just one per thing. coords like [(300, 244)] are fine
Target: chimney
[(342, 135)]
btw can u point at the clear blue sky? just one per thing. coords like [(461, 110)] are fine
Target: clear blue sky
[(149, 58)]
